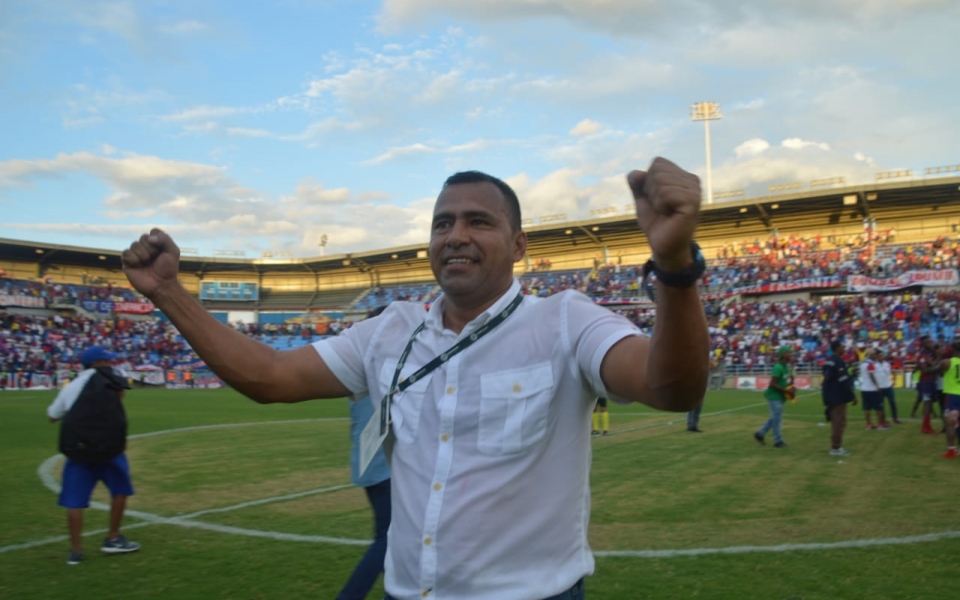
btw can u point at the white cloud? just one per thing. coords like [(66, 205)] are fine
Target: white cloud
[(309, 192), (200, 113), (751, 147), (586, 127), (401, 152), (643, 17), (797, 143)]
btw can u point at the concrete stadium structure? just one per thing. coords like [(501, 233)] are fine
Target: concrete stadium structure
[(918, 208)]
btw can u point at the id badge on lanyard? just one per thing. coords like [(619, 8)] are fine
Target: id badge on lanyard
[(378, 427)]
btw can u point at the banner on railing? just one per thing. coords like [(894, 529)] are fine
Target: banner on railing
[(23, 301), (933, 278), (624, 301), (779, 287), (133, 308)]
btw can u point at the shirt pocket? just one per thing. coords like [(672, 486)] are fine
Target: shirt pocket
[(406, 405), (514, 406)]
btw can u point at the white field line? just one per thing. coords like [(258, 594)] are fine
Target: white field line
[(681, 417), (816, 546), (45, 472)]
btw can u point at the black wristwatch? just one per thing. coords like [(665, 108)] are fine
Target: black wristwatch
[(679, 279)]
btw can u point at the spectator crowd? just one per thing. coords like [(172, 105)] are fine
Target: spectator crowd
[(745, 334)]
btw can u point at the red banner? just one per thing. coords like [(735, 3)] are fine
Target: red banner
[(938, 278), (133, 308)]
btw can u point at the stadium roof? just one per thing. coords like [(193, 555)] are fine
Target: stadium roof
[(801, 209)]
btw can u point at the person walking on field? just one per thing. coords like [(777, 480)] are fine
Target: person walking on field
[(777, 393), (93, 437)]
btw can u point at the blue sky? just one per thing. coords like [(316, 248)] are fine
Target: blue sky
[(261, 126)]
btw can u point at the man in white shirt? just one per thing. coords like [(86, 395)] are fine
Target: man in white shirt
[(884, 375), (490, 462), (870, 390)]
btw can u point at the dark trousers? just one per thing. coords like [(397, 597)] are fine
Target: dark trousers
[(889, 395), (371, 565), (575, 593), (693, 417)]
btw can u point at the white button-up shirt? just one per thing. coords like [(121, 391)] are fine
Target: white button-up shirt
[(884, 375), (490, 468)]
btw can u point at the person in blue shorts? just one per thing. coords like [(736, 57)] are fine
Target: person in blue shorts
[(951, 390), (80, 477)]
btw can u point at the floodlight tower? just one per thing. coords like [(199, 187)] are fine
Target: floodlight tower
[(706, 112)]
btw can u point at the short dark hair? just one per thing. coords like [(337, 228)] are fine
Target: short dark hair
[(513, 203), (836, 344)]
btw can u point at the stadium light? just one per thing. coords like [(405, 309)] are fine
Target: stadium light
[(827, 181), (783, 187), (894, 174), (729, 194), (706, 112)]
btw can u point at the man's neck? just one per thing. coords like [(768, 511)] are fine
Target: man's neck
[(457, 313)]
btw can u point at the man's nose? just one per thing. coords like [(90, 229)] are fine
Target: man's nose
[(459, 234)]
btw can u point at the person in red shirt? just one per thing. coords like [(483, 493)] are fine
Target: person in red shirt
[(929, 367)]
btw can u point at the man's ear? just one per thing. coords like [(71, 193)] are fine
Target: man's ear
[(519, 245)]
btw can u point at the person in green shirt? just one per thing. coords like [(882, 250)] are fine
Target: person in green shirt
[(779, 391)]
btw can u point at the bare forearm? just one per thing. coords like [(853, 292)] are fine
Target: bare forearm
[(239, 360), (678, 363)]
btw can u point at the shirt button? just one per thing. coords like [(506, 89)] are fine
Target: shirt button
[(445, 437), (437, 487), (451, 389), (427, 541)]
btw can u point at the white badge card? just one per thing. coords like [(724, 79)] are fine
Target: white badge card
[(374, 432)]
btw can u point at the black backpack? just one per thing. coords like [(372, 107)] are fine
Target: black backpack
[(95, 427)]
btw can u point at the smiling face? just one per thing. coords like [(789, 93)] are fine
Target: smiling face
[(473, 245)]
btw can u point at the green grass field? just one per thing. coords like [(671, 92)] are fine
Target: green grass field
[(679, 508)]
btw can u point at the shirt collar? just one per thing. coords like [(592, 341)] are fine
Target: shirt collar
[(434, 318)]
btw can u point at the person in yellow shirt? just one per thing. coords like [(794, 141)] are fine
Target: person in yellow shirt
[(951, 390), (600, 413)]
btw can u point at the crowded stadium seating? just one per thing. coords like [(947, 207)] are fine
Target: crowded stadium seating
[(745, 333)]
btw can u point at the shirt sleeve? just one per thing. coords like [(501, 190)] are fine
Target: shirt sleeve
[(345, 354), (62, 404), (590, 331)]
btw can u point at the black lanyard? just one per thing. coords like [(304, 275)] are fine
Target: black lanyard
[(453, 351)]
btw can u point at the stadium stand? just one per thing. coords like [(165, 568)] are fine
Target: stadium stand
[(828, 270)]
